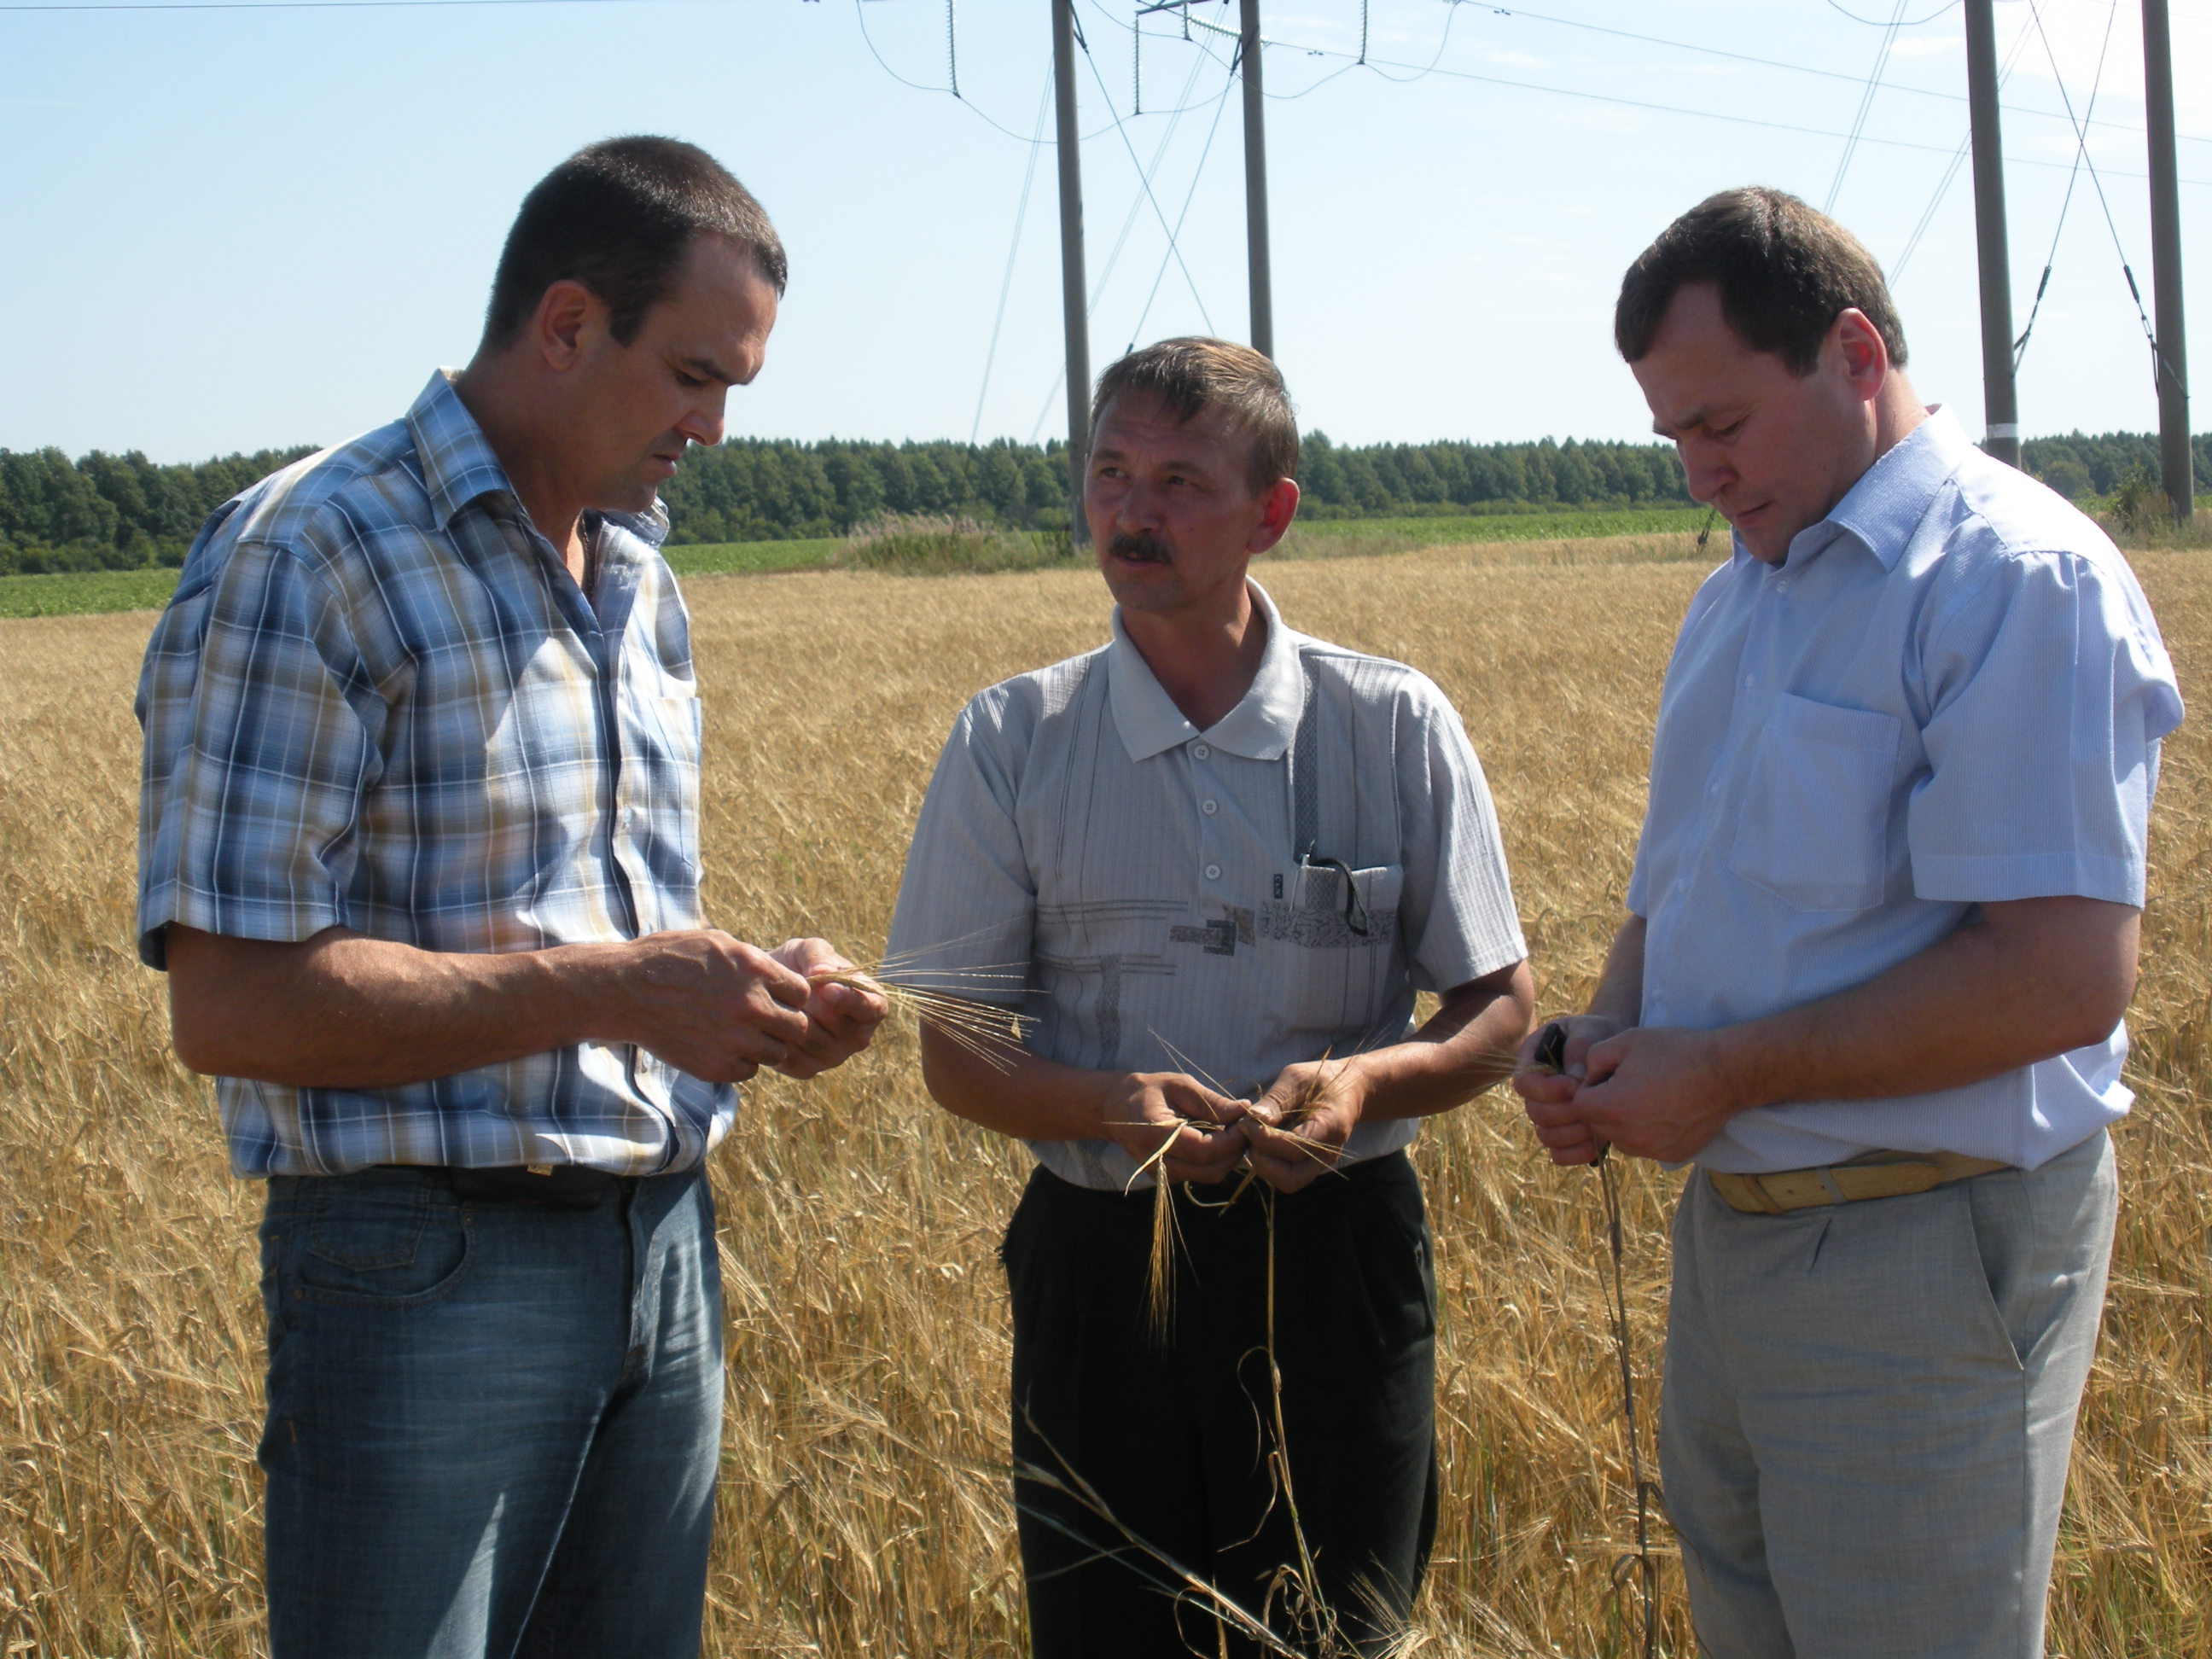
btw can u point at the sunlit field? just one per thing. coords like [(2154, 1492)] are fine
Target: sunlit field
[(864, 1507)]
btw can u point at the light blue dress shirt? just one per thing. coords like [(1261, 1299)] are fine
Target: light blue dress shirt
[(1950, 692)]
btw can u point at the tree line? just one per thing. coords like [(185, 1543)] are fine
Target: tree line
[(102, 511)]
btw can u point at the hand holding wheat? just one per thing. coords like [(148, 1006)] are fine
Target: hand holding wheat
[(1174, 1126)]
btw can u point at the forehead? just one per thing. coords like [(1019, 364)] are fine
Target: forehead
[(1697, 365), (1141, 424), (720, 290)]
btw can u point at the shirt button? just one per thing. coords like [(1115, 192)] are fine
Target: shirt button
[(1750, 680), (1199, 751), (1213, 872), (1209, 807), (1783, 587)]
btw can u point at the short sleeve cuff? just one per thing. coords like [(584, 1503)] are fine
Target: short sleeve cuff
[(1997, 880), (1463, 962), (270, 922)]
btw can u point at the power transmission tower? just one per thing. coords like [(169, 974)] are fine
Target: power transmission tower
[(1256, 183), (2000, 402), (2177, 466), (1073, 298)]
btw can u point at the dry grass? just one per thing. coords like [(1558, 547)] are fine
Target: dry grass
[(861, 1511)]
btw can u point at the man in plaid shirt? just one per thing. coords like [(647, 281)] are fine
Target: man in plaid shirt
[(419, 849)]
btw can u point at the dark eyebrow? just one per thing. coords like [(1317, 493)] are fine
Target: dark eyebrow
[(708, 368)]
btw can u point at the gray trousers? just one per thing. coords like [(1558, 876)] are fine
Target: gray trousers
[(1869, 1410)]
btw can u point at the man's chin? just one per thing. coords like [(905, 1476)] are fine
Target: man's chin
[(1141, 586)]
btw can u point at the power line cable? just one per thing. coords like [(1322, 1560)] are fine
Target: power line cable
[(1866, 105), (1205, 149), (2159, 366), (1521, 14), (1876, 22), (1144, 177), (1958, 160), (2043, 285), (1013, 250), (1128, 224)]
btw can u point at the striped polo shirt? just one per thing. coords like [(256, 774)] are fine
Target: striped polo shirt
[(1225, 903)]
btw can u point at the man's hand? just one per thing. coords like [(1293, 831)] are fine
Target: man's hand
[(1655, 1090), (1203, 1131), (712, 1006), (1548, 1094), (1297, 1129), (840, 1017)]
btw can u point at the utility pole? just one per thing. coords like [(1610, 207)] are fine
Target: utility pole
[(1255, 185), (1074, 286), (2177, 466), (2000, 402)]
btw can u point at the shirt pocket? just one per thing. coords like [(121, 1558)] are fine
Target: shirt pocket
[(1814, 827), (661, 787), (1340, 977)]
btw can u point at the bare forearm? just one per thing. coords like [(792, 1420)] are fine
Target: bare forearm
[(1620, 993), (339, 1011), (2024, 982), (1024, 1095), (1467, 1046)]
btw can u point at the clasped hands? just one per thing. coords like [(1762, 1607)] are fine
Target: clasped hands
[(1658, 1091), (720, 1009), (1289, 1137)]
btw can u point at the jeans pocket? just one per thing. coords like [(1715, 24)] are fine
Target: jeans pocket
[(381, 1247)]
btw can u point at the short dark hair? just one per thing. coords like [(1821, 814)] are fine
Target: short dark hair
[(618, 216), (1193, 373), (1784, 272)]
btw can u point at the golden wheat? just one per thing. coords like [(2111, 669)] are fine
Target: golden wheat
[(864, 1511)]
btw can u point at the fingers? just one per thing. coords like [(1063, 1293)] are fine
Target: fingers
[(809, 956), (1545, 1088), (1205, 1157)]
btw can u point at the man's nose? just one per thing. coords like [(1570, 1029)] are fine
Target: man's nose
[(1705, 470), (703, 424)]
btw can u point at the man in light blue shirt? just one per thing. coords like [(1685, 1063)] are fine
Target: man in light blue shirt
[(1882, 926)]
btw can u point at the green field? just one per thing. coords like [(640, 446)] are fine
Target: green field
[(82, 592)]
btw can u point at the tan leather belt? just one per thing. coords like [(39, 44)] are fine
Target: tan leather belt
[(1873, 1175)]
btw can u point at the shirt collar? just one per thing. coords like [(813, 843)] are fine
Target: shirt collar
[(457, 463), (1259, 727), (458, 466), (1883, 509)]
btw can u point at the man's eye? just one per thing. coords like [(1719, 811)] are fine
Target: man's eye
[(1729, 431), (691, 380)]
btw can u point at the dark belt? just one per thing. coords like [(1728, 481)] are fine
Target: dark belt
[(548, 1186)]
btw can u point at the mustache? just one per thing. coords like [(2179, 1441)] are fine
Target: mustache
[(1146, 547)]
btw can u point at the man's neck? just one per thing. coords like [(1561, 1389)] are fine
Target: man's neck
[(1896, 412), (1206, 664), (506, 414)]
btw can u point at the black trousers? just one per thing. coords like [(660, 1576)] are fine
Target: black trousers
[(1175, 1436)]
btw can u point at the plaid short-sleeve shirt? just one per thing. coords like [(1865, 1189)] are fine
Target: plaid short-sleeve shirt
[(377, 701)]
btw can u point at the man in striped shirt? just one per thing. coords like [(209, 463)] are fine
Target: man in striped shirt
[(1223, 857), (419, 849)]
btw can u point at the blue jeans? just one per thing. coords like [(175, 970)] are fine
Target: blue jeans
[(493, 1427)]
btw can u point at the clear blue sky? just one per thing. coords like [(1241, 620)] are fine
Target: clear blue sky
[(224, 229)]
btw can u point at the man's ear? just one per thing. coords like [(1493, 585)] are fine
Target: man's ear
[(1277, 508), (1865, 354), (564, 313)]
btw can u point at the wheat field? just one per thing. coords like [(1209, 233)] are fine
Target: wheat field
[(864, 1509)]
